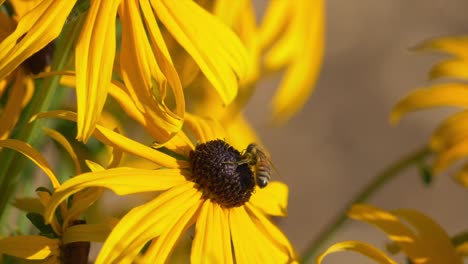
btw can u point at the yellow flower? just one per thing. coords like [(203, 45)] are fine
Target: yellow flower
[(419, 237), (293, 32), (146, 64), (66, 237), (203, 186), (449, 141)]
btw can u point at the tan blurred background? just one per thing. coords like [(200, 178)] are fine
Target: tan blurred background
[(342, 138)]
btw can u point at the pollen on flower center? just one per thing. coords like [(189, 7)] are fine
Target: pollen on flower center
[(216, 170)]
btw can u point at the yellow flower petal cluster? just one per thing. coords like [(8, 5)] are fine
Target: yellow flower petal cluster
[(420, 238), (449, 141)]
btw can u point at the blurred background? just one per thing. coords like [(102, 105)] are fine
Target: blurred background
[(343, 138)]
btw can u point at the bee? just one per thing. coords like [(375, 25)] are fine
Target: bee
[(256, 157)]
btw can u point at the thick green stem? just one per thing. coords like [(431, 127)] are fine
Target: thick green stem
[(368, 190)]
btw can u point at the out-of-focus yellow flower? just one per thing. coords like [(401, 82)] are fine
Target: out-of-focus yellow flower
[(201, 185), (450, 140), (289, 38), (66, 237), (146, 63), (420, 238)]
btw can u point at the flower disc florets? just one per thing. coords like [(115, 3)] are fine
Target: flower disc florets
[(216, 170)]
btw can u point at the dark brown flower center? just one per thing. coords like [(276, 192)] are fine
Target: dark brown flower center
[(218, 174)]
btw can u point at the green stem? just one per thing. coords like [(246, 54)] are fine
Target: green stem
[(368, 190), (29, 132)]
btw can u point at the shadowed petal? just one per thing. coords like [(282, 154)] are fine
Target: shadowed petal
[(29, 247), (360, 247), (272, 200)]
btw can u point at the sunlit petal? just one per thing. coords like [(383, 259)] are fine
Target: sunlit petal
[(95, 53), (33, 155), (120, 180), (360, 247), (453, 45), (66, 145), (216, 49), (447, 94), (453, 68), (88, 232), (272, 200)]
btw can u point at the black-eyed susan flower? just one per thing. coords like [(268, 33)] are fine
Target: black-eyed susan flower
[(449, 141), (66, 237), (420, 238), (206, 186)]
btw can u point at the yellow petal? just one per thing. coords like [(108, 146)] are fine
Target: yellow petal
[(29, 247), (212, 241), (360, 247), (462, 249), (448, 156), (251, 243), (87, 232), (19, 96), (81, 202), (301, 47), (117, 140), (160, 250), (204, 129), (138, 67), (122, 181), (34, 31), (95, 53), (66, 145), (147, 222), (33, 155), (272, 200), (453, 68), (32, 205), (447, 94), (398, 232), (436, 242), (217, 50), (451, 131), (239, 132), (453, 45), (462, 176)]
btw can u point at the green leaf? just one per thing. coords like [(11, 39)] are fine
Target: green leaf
[(38, 221)]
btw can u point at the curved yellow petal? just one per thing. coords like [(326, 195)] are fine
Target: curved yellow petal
[(139, 66), (272, 200), (448, 156), (398, 232), (451, 131), (34, 31), (29, 247), (453, 45), (95, 51), (360, 247), (66, 145), (212, 240), (32, 205), (447, 94), (204, 129), (453, 68), (302, 48), (462, 249), (117, 140), (33, 155), (81, 202), (154, 218), (462, 176), (161, 249), (436, 242), (87, 232), (122, 181), (217, 50)]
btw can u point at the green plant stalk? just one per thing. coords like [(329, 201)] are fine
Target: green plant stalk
[(377, 183), (29, 132)]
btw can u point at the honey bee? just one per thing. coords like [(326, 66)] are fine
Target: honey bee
[(257, 157)]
